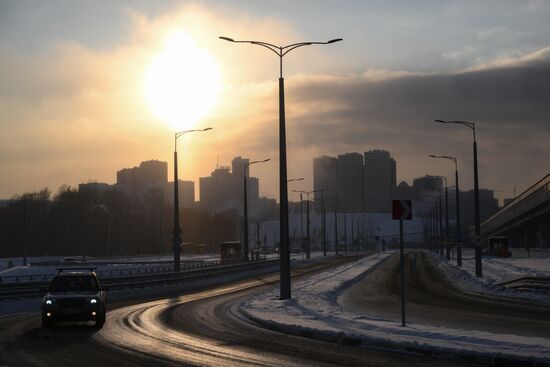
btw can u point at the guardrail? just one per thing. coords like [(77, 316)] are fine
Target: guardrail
[(114, 272), (19, 290), (528, 200)]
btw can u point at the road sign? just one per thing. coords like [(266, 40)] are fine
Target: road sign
[(402, 210)]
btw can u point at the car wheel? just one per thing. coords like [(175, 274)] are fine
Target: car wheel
[(100, 321), (46, 323)]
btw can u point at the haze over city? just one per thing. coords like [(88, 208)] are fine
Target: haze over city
[(84, 97), (274, 183)]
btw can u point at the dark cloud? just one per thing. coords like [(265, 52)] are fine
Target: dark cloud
[(509, 104)]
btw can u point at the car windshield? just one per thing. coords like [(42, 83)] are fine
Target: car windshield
[(84, 283)]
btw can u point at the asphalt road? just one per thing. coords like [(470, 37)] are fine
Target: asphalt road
[(432, 299), (200, 328)]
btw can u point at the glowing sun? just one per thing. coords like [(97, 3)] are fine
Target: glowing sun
[(182, 82)]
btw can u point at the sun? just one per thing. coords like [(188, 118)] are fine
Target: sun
[(181, 82)]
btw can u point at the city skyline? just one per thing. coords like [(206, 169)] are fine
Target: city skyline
[(380, 93)]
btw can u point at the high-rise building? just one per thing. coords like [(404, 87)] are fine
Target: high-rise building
[(149, 175), (224, 189), (380, 178), (393, 173), (426, 193), (237, 166), (350, 182), (186, 193), (325, 178), (488, 205)]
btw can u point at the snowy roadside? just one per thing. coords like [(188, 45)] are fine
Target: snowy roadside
[(495, 271), (314, 311), (11, 307)]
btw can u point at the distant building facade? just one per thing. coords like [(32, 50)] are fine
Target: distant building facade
[(224, 189), (186, 193), (149, 175), (95, 188), (380, 176), (350, 183), (325, 178)]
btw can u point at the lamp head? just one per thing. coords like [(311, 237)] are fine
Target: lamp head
[(335, 40), (227, 39)]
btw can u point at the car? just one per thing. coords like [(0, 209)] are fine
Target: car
[(74, 294)]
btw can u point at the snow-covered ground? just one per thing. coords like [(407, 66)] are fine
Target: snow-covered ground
[(104, 270), (23, 305), (314, 310), (497, 270)]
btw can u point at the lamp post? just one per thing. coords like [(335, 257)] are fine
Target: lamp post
[(457, 190), (307, 193), (301, 221), (335, 223), (176, 232), (281, 51), (245, 205), (446, 215), (295, 179), (471, 125), (323, 220)]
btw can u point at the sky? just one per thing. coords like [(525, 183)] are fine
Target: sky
[(77, 102)]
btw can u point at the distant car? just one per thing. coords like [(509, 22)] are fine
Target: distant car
[(74, 295)]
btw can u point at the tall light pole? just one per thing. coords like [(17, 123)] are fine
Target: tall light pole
[(323, 221), (301, 222), (281, 51), (457, 190), (295, 179), (246, 166), (335, 223), (176, 232), (471, 125), (308, 243)]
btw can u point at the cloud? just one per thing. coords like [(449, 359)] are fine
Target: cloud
[(71, 113), (509, 103)]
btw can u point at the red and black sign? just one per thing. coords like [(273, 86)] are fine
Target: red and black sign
[(402, 210)]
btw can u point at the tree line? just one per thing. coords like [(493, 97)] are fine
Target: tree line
[(75, 222)]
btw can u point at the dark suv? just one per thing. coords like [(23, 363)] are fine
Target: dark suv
[(74, 295)]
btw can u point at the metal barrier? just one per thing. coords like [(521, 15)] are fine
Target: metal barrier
[(111, 273)]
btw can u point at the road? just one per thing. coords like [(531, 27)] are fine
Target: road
[(433, 300), (200, 328)]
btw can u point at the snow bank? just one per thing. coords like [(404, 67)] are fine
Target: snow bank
[(495, 271), (314, 311)]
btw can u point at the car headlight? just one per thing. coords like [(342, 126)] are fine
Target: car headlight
[(49, 301), (93, 301)]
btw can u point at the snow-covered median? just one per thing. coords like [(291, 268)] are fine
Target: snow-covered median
[(314, 311)]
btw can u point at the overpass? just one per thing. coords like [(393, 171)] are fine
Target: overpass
[(525, 220)]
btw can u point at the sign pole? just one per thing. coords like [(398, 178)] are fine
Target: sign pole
[(402, 272), (402, 210)]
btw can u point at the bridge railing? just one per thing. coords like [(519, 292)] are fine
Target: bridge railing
[(523, 203)]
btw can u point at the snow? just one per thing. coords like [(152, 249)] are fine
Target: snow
[(32, 305), (104, 265), (497, 270), (314, 310)]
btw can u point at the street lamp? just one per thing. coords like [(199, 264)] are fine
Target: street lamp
[(301, 214), (457, 190), (446, 217), (245, 205), (335, 207), (307, 193), (281, 51), (295, 179), (176, 232), (471, 125)]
